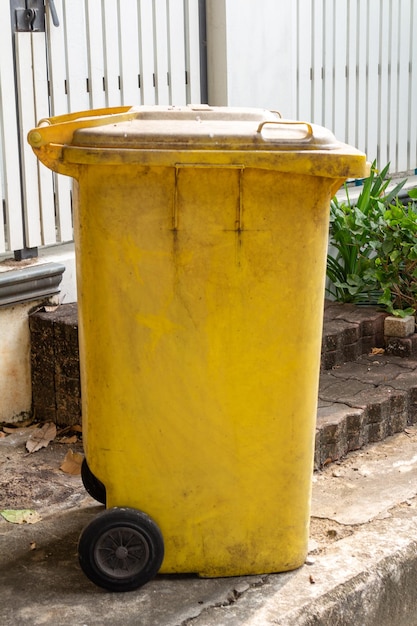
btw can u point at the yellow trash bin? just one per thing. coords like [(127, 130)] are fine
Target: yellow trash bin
[(201, 238)]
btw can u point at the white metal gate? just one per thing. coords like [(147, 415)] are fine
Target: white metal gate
[(357, 74), (350, 65), (103, 53)]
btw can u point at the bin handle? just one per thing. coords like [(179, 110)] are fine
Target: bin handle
[(59, 130), (288, 123)]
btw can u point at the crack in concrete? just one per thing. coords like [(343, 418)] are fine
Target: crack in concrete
[(232, 597)]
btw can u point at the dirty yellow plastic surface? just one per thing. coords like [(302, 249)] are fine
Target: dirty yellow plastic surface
[(201, 283)]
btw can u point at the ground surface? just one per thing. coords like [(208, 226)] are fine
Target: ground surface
[(363, 514)]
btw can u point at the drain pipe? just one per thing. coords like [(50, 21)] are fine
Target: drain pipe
[(29, 283)]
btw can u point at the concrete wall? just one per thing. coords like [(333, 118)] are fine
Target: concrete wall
[(15, 365), (15, 368)]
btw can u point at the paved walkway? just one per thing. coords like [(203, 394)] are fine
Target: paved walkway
[(366, 392)]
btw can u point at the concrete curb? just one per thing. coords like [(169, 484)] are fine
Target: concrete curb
[(368, 578)]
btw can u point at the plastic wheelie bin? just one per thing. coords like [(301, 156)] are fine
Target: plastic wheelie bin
[(201, 239)]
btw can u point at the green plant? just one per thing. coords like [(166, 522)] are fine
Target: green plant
[(354, 236), (394, 266)]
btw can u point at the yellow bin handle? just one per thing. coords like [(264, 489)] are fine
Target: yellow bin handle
[(60, 129), (308, 136), (50, 137)]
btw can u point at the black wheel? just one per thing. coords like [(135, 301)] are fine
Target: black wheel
[(121, 549), (93, 486)]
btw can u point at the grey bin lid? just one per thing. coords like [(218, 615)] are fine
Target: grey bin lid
[(200, 127)]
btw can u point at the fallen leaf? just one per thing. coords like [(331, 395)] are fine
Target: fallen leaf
[(21, 516), (378, 351), (18, 425), (72, 439), (9, 431), (66, 429), (41, 437), (17, 429), (72, 463)]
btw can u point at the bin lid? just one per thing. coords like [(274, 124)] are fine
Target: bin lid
[(204, 127), (193, 135)]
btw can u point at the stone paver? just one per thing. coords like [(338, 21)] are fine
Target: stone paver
[(381, 387)]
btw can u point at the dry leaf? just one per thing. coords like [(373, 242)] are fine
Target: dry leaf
[(9, 431), (21, 516), (41, 437), (378, 351), (72, 463), (19, 425), (17, 429), (76, 428), (72, 439)]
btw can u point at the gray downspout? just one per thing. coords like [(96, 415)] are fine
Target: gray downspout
[(26, 284)]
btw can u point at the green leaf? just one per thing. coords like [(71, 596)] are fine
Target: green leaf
[(403, 312), (395, 254), (21, 516), (354, 280), (387, 246), (385, 298)]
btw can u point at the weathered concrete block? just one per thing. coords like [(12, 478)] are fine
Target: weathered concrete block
[(331, 359), (401, 346), (331, 421), (56, 391), (357, 429), (351, 351), (399, 326)]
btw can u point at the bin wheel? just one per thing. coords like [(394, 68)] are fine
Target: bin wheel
[(93, 486), (121, 549)]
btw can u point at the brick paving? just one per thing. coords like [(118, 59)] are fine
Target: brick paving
[(365, 394)]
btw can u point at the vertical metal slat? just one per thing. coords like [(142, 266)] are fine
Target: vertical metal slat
[(160, 21), (27, 120), (128, 37), (45, 179), (59, 97), (176, 52), (147, 62), (11, 235)]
